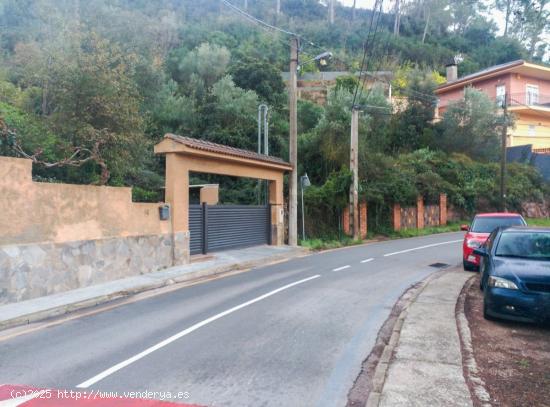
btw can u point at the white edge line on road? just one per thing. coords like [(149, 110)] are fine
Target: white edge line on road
[(342, 268), (187, 331), (423, 247), (367, 260)]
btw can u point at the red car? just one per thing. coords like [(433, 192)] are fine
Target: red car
[(482, 226)]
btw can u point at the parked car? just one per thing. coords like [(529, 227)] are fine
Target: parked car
[(515, 274), (476, 234)]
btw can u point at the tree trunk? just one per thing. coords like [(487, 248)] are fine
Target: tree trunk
[(507, 18), (397, 19), (426, 26)]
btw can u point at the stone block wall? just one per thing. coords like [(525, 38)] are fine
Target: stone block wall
[(421, 215), (431, 215), (57, 237)]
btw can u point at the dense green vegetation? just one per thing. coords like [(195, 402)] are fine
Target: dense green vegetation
[(91, 86)]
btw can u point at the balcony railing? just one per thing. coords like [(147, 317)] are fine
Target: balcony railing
[(526, 99)]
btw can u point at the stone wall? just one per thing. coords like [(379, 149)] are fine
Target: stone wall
[(421, 215), (431, 215), (408, 217), (56, 237)]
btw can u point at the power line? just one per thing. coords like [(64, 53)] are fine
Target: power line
[(257, 20), (373, 42), (365, 47)]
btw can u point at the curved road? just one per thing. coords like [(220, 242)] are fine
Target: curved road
[(289, 334)]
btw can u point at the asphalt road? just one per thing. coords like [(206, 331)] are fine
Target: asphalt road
[(289, 334)]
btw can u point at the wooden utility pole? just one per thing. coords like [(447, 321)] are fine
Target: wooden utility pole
[(354, 167), (503, 158), (331, 11), (353, 10), (293, 144)]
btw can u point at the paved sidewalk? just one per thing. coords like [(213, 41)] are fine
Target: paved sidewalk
[(24, 312), (426, 369)]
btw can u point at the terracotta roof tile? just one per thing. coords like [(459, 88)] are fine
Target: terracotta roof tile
[(220, 148)]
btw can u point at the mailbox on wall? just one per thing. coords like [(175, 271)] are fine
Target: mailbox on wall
[(164, 212)]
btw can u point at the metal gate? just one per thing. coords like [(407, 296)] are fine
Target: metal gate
[(221, 227)]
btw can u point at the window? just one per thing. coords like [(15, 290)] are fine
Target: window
[(532, 95), (501, 95), (532, 130)]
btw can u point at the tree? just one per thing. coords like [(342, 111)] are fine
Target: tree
[(261, 77), (531, 22), (471, 126)]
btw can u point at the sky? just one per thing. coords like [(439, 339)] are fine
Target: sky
[(497, 16)]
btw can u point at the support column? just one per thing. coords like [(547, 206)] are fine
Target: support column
[(396, 217), (420, 212), (177, 195), (363, 219), (276, 201), (442, 209)]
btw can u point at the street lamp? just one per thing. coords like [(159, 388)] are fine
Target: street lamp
[(304, 183), (321, 59)]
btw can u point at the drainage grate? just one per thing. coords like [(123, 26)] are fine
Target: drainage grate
[(439, 265)]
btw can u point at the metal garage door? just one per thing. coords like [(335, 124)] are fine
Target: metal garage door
[(221, 227)]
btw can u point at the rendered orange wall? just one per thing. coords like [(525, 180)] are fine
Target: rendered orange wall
[(32, 212)]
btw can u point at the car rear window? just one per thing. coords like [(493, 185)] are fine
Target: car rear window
[(534, 245), (487, 224)]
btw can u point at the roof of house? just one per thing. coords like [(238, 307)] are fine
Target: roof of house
[(205, 145), (519, 65)]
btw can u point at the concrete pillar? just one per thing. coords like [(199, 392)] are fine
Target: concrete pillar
[(420, 212), (442, 209), (276, 200), (396, 217), (363, 219), (177, 195)]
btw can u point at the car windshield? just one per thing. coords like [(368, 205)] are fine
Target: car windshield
[(487, 224), (524, 244)]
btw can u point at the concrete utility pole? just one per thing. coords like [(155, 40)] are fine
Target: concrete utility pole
[(354, 167), (503, 158), (331, 11), (278, 6), (293, 144), (245, 4)]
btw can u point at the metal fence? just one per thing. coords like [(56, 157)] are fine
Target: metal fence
[(222, 227)]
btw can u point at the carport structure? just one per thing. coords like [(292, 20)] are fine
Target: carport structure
[(185, 155)]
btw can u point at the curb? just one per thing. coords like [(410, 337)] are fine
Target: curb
[(183, 279), (373, 373), (381, 371), (478, 391)]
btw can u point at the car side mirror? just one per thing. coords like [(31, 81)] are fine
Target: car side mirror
[(464, 227), (481, 251)]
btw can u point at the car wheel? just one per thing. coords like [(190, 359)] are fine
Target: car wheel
[(468, 266), (480, 285)]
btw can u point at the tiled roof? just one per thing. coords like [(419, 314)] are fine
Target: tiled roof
[(205, 145), (486, 71)]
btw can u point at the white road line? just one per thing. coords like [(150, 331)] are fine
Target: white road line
[(342, 268), (187, 331), (21, 400), (423, 247), (367, 260)]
